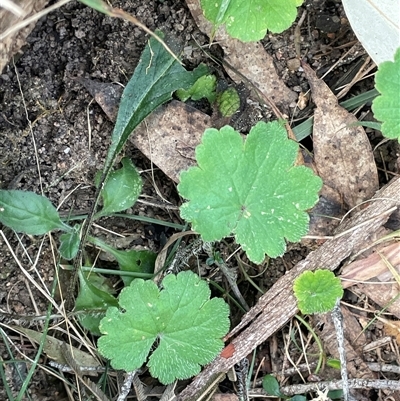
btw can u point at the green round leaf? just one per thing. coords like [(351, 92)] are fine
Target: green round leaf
[(249, 188), (317, 292), (27, 212), (69, 243), (122, 189), (271, 386), (229, 102), (386, 107), (249, 20), (186, 324)]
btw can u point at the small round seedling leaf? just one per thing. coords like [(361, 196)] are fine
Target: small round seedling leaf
[(29, 213), (386, 107), (271, 386), (249, 20), (228, 102), (317, 292), (187, 325), (250, 188), (122, 189), (69, 243)]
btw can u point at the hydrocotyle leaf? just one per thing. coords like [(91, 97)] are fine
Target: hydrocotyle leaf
[(29, 213), (317, 292), (121, 190), (250, 188), (185, 322), (386, 107), (249, 20)]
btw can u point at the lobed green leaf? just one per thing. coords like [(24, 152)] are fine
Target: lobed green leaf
[(386, 107), (187, 324), (249, 20), (249, 188)]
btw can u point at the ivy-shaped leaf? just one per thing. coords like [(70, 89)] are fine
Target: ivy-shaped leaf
[(27, 212), (386, 107), (317, 292), (121, 190), (249, 20), (204, 87), (249, 188), (181, 318)]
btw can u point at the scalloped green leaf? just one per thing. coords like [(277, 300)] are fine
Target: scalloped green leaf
[(317, 292), (181, 321), (249, 188), (30, 213), (121, 190), (386, 107), (249, 20)]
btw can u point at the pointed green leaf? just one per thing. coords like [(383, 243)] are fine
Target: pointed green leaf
[(156, 77), (249, 20), (386, 107), (250, 188), (138, 261), (93, 299), (121, 190), (69, 243), (187, 325), (317, 292), (29, 213)]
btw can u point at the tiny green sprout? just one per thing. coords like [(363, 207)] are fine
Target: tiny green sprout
[(228, 102), (317, 292), (204, 87)]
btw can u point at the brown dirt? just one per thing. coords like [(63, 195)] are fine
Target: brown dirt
[(41, 85)]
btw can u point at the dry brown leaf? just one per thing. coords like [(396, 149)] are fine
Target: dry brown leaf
[(392, 328), (250, 59), (225, 397), (169, 136), (372, 267), (343, 154), (13, 43), (354, 340)]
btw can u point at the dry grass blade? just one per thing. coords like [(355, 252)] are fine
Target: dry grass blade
[(12, 7), (31, 19)]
